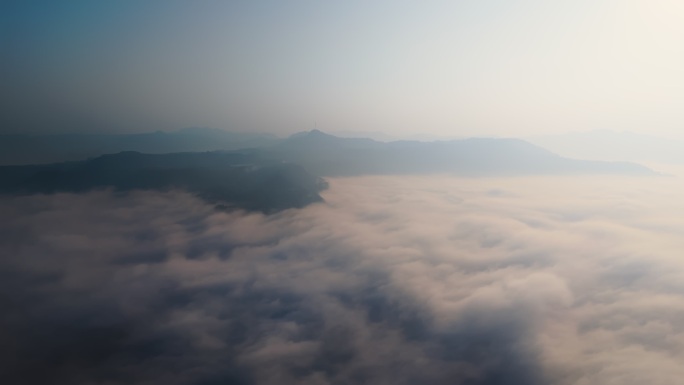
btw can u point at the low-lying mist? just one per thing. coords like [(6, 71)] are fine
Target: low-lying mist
[(393, 280)]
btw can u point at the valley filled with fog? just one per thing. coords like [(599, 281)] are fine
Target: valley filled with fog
[(391, 280), (378, 192)]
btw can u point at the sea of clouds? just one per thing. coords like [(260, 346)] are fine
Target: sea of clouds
[(393, 280)]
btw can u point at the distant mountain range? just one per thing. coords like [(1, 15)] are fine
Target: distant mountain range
[(34, 149), (275, 174), (318, 152), (327, 155)]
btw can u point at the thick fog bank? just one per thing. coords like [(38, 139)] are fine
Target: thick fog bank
[(393, 280)]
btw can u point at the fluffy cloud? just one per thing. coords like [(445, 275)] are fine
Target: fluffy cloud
[(394, 280)]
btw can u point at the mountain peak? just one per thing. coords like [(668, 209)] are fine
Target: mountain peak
[(313, 134)]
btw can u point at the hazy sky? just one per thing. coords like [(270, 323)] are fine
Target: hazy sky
[(481, 67)]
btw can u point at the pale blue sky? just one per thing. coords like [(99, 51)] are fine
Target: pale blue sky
[(449, 68)]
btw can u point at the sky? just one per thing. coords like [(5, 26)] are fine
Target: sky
[(444, 68)]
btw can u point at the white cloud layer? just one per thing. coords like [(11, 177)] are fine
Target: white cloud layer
[(394, 280)]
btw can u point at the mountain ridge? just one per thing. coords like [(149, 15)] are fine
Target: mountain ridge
[(327, 155), (223, 178)]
